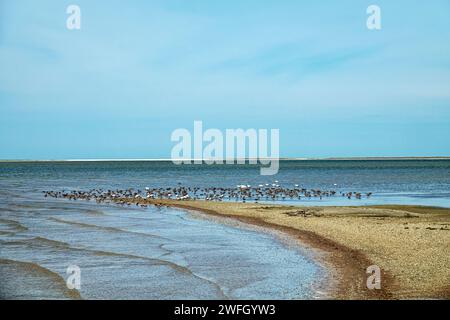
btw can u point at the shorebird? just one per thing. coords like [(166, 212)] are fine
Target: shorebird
[(242, 192)]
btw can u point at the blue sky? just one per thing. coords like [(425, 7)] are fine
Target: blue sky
[(136, 71)]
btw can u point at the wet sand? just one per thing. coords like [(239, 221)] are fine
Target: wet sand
[(411, 244)]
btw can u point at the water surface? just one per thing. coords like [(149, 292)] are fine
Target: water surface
[(166, 253), (137, 253)]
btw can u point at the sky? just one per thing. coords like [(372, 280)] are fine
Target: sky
[(138, 70)]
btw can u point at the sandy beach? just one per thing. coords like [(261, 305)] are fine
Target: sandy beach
[(410, 244)]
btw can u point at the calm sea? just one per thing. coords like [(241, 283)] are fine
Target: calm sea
[(425, 182), (166, 253)]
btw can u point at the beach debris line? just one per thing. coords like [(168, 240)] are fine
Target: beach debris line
[(240, 193), (303, 213)]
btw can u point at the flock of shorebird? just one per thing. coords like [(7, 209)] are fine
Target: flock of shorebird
[(242, 193)]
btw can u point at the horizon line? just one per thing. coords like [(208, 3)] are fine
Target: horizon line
[(239, 159)]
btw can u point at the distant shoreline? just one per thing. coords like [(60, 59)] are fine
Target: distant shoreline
[(281, 159)]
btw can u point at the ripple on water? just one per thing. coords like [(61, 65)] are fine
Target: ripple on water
[(25, 280), (155, 254)]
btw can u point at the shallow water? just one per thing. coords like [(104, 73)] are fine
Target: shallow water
[(425, 182), (139, 253)]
